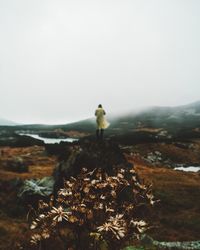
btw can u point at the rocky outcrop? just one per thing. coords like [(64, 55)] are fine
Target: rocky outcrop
[(90, 154)]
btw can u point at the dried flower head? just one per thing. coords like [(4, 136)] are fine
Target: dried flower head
[(60, 214)]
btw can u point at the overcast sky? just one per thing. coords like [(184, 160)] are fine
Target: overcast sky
[(60, 58)]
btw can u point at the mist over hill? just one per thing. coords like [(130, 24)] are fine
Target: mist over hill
[(5, 122), (165, 117)]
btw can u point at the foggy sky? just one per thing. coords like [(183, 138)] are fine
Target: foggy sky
[(60, 58)]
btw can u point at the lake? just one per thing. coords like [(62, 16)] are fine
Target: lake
[(49, 140)]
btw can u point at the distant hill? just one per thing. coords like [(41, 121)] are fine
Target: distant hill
[(186, 116), (172, 119), (4, 122), (86, 125)]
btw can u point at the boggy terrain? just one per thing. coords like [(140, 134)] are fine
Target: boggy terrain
[(177, 214), (175, 217), (36, 164), (35, 158)]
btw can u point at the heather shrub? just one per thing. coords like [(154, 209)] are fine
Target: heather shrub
[(94, 211)]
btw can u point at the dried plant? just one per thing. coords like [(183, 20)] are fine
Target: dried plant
[(97, 207)]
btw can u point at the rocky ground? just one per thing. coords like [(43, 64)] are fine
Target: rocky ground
[(176, 216)]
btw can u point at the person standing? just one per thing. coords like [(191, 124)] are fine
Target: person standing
[(101, 121)]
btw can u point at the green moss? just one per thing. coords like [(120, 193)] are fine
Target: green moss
[(179, 199), (139, 248), (193, 223)]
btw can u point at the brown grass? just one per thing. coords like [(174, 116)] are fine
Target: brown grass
[(39, 163), (150, 130), (176, 216)]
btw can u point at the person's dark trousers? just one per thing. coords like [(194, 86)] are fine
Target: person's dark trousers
[(101, 134), (97, 134)]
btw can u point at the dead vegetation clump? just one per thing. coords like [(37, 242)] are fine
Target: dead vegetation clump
[(94, 209)]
